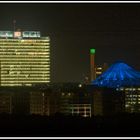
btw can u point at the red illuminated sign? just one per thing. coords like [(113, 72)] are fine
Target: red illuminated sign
[(17, 34)]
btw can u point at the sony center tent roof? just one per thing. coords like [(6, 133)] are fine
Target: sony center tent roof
[(118, 75)]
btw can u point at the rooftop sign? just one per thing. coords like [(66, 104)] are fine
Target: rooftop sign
[(6, 34), (31, 34), (17, 34)]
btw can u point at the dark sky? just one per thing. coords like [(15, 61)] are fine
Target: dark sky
[(112, 29)]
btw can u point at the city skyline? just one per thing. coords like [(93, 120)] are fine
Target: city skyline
[(112, 29), (69, 69)]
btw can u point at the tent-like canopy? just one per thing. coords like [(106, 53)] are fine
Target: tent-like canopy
[(118, 75)]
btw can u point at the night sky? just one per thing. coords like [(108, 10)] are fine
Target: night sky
[(112, 29)]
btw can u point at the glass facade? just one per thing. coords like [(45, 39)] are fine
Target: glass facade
[(24, 62)]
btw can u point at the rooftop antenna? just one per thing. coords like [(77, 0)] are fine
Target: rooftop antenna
[(14, 24)]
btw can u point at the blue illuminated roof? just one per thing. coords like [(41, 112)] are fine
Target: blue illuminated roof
[(118, 75)]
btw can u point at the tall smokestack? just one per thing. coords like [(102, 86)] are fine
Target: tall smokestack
[(92, 64)]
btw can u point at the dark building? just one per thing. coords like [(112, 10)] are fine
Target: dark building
[(20, 102), (75, 100), (14, 100), (44, 101), (107, 101), (5, 103)]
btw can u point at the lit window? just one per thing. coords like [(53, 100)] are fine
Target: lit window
[(63, 94), (80, 85)]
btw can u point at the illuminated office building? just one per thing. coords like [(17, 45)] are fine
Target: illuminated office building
[(132, 98), (24, 58)]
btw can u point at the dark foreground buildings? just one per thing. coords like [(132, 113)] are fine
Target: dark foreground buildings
[(69, 98), (117, 90)]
